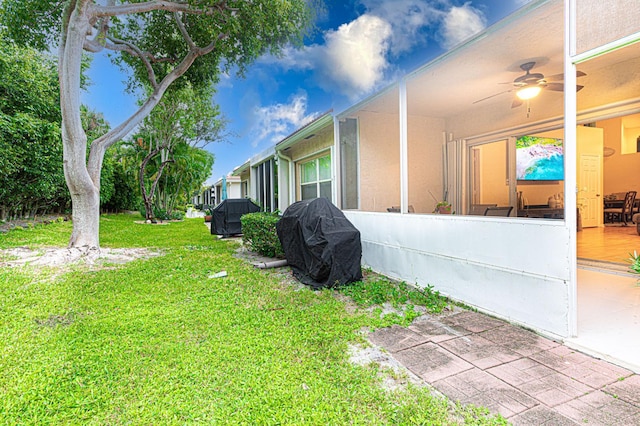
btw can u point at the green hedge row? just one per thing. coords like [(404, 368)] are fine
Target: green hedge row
[(259, 233)]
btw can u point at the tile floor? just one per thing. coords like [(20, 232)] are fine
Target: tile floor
[(609, 317), (530, 380)]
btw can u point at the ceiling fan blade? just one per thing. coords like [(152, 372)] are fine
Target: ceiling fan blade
[(560, 77), (556, 87), (516, 103), (492, 96), (559, 87)]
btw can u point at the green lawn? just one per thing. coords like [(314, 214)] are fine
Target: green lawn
[(156, 341)]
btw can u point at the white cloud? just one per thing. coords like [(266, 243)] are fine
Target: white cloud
[(275, 122), (353, 59), (461, 23), (407, 18)]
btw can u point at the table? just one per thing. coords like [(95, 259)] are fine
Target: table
[(541, 211)]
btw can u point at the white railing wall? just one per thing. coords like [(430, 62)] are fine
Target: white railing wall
[(515, 269)]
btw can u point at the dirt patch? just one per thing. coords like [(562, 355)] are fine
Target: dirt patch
[(59, 257), (392, 374)]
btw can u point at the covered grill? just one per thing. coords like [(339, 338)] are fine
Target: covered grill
[(227, 214), (321, 245)]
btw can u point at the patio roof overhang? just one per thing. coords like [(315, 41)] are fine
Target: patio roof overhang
[(241, 168), (306, 132)]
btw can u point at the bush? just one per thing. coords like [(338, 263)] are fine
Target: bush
[(259, 233), (161, 214)]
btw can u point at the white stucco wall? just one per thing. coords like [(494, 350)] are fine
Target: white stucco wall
[(379, 161), (516, 269), (424, 162), (234, 190)]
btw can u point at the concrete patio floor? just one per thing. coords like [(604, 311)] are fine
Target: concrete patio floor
[(530, 380)]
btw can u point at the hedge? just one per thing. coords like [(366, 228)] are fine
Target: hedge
[(259, 233)]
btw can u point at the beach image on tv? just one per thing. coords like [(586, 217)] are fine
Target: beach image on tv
[(539, 158)]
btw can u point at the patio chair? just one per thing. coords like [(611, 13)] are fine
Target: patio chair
[(621, 214), (479, 209), (498, 211)]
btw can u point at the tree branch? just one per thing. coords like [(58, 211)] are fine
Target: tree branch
[(169, 6), (183, 31), (132, 49)]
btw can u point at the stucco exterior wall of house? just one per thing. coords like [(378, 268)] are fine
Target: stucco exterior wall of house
[(502, 267), (424, 161), (306, 150), (600, 22), (233, 189), (320, 142), (379, 161)]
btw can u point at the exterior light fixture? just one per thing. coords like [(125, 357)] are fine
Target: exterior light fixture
[(528, 92)]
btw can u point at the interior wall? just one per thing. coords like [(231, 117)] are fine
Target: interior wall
[(425, 163), (620, 170), (379, 161), (494, 188)]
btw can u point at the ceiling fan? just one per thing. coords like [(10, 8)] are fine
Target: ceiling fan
[(529, 85)]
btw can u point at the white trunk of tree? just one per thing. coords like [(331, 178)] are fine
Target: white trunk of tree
[(84, 188)]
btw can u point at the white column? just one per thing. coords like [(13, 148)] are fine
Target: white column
[(404, 169), (570, 160)]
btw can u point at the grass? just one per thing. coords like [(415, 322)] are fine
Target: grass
[(156, 341)]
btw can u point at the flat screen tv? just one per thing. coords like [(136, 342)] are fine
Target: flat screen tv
[(539, 158)]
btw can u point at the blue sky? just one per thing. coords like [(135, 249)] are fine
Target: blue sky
[(360, 46)]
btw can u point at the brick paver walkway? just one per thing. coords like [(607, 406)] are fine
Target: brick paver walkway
[(530, 380)]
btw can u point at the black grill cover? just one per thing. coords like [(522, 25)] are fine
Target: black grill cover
[(320, 244), (226, 216)]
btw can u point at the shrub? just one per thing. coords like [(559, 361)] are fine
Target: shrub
[(162, 214), (259, 233)]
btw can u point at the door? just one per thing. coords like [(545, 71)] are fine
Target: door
[(490, 175), (589, 197)]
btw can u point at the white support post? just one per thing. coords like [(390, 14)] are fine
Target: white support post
[(404, 169), (336, 194), (570, 152)]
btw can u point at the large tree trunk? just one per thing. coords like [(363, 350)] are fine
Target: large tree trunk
[(84, 188)]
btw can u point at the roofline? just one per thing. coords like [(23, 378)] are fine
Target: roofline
[(263, 156), (241, 168), (306, 130), (368, 100)]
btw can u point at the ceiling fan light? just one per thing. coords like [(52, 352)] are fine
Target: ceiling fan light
[(528, 92)]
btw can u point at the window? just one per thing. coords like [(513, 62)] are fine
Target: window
[(315, 178)]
